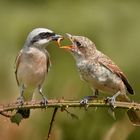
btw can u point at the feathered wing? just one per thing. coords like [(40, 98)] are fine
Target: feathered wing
[(109, 64), (134, 115), (48, 62), (17, 61), (24, 112)]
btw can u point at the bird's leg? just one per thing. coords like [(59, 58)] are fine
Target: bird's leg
[(44, 98), (88, 98), (96, 93), (20, 99), (111, 100)]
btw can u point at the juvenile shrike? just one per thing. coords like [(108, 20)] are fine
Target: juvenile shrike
[(32, 65), (100, 72)]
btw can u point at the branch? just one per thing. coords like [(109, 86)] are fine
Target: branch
[(51, 123), (53, 103)]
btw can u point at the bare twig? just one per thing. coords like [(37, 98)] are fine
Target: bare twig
[(71, 114), (51, 123), (5, 114)]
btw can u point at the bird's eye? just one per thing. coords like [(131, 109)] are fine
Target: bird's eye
[(50, 34), (43, 34), (46, 34), (78, 44)]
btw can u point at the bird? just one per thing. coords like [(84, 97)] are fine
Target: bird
[(32, 65), (101, 73)]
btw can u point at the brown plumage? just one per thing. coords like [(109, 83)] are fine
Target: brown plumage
[(108, 63), (100, 72)]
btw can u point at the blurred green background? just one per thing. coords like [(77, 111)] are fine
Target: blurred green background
[(114, 26)]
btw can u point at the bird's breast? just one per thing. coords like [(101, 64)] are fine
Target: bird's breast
[(32, 67), (99, 77)]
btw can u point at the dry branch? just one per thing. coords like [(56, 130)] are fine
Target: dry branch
[(51, 123), (53, 103)]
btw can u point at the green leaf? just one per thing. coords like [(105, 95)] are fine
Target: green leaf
[(17, 118)]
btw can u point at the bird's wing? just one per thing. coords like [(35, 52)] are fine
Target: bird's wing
[(17, 60), (109, 64), (48, 63)]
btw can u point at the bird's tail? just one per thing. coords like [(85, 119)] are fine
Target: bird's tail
[(21, 114), (28, 95), (134, 115), (24, 112)]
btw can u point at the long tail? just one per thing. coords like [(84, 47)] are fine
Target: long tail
[(24, 112), (28, 94), (20, 115), (134, 115)]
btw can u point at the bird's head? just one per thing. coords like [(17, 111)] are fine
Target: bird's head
[(41, 37), (81, 47)]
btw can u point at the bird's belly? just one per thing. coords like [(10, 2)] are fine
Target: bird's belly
[(100, 78), (32, 73)]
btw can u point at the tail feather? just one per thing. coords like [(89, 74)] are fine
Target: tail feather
[(134, 116), (24, 112), (128, 86), (28, 95)]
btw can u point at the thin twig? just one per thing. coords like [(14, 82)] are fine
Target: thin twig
[(5, 114), (71, 114), (51, 123), (67, 104)]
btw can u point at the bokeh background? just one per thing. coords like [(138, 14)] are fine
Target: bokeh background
[(114, 26)]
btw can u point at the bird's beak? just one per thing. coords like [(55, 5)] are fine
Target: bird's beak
[(69, 35), (69, 47), (56, 37)]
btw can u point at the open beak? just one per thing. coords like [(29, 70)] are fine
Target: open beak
[(68, 47)]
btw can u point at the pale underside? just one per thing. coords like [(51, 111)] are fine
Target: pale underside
[(31, 68), (99, 77)]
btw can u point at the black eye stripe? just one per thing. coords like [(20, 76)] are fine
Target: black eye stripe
[(46, 34), (42, 36)]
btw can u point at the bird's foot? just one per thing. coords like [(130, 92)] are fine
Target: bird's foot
[(85, 100), (111, 101), (20, 100), (44, 101)]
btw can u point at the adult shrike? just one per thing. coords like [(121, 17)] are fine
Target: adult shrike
[(32, 65)]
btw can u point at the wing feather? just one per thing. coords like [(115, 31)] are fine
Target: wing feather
[(48, 63), (17, 61), (109, 64)]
